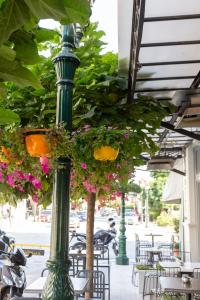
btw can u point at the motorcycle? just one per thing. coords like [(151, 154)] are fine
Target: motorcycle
[(13, 277), (101, 238)]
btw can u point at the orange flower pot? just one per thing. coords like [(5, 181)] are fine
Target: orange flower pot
[(36, 143), (105, 153)]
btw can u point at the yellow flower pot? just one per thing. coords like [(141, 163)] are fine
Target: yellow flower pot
[(105, 153)]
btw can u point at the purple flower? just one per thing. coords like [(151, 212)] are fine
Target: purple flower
[(126, 135), (84, 166), (3, 165), (35, 198)]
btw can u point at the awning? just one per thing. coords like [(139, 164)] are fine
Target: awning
[(173, 191)]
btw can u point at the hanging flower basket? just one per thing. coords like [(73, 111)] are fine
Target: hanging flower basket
[(36, 143), (106, 153)]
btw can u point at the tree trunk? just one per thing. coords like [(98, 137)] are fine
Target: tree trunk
[(90, 234)]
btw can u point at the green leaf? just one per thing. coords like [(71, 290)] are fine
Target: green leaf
[(43, 35), (7, 116), (13, 71), (89, 114), (7, 53), (13, 15), (1, 2), (25, 47), (65, 11)]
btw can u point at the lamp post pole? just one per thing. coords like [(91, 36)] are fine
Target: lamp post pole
[(58, 285), (147, 209), (122, 258)]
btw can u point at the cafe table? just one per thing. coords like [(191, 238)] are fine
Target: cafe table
[(185, 268), (37, 286), (176, 285), (152, 235)]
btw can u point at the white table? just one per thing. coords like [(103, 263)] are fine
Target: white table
[(186, 268), (37, 286)]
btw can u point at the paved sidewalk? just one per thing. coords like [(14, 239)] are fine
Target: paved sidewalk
[(121, 285)]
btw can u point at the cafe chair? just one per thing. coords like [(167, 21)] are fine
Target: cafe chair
[(196, 273), (171, 272), (151, 287), (95, 285)]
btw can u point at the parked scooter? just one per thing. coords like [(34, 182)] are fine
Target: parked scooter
[(101, 238), (13, 277)]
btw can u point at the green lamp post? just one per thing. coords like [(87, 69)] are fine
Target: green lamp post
[(122, 258), (58, 285)]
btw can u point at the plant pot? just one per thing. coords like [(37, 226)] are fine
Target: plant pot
[(36, 143), (105, 153), (176, 252), (6, 153)]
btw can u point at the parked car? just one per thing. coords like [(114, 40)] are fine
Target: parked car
[(82, 216), (45, 216), (130, 217), (74, 222)]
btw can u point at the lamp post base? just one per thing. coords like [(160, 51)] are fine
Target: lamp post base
[(122, 260), (58, 285)]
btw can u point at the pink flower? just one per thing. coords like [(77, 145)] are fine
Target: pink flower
[(44, 164), (110, 176), (20, 188), (37, 184), (106, 187), (10, 180), (35, 198), (84, 166), (87, 127)]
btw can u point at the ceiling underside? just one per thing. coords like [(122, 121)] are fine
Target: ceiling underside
[(164, 61)]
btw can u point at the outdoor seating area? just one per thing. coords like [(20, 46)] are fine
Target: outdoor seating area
[(81, 279), (158, 273)]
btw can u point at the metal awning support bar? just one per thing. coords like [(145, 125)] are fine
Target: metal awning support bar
[(181, 131), (165, 78), (172, 18), (178, 172), (176, 43), (136, 37), (166, 63)]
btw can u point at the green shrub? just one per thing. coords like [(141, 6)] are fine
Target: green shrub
[(164, 220), (176, 223)]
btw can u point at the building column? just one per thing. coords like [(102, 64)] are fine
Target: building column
[(191, 204)]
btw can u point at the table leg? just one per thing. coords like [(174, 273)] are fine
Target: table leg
[(152, 241), (189, 297)]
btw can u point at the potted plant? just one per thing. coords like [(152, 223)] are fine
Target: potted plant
[(176, 248), (100, 156), (30, 175)]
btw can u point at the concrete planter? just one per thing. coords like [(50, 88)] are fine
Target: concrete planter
[(141, 274)]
